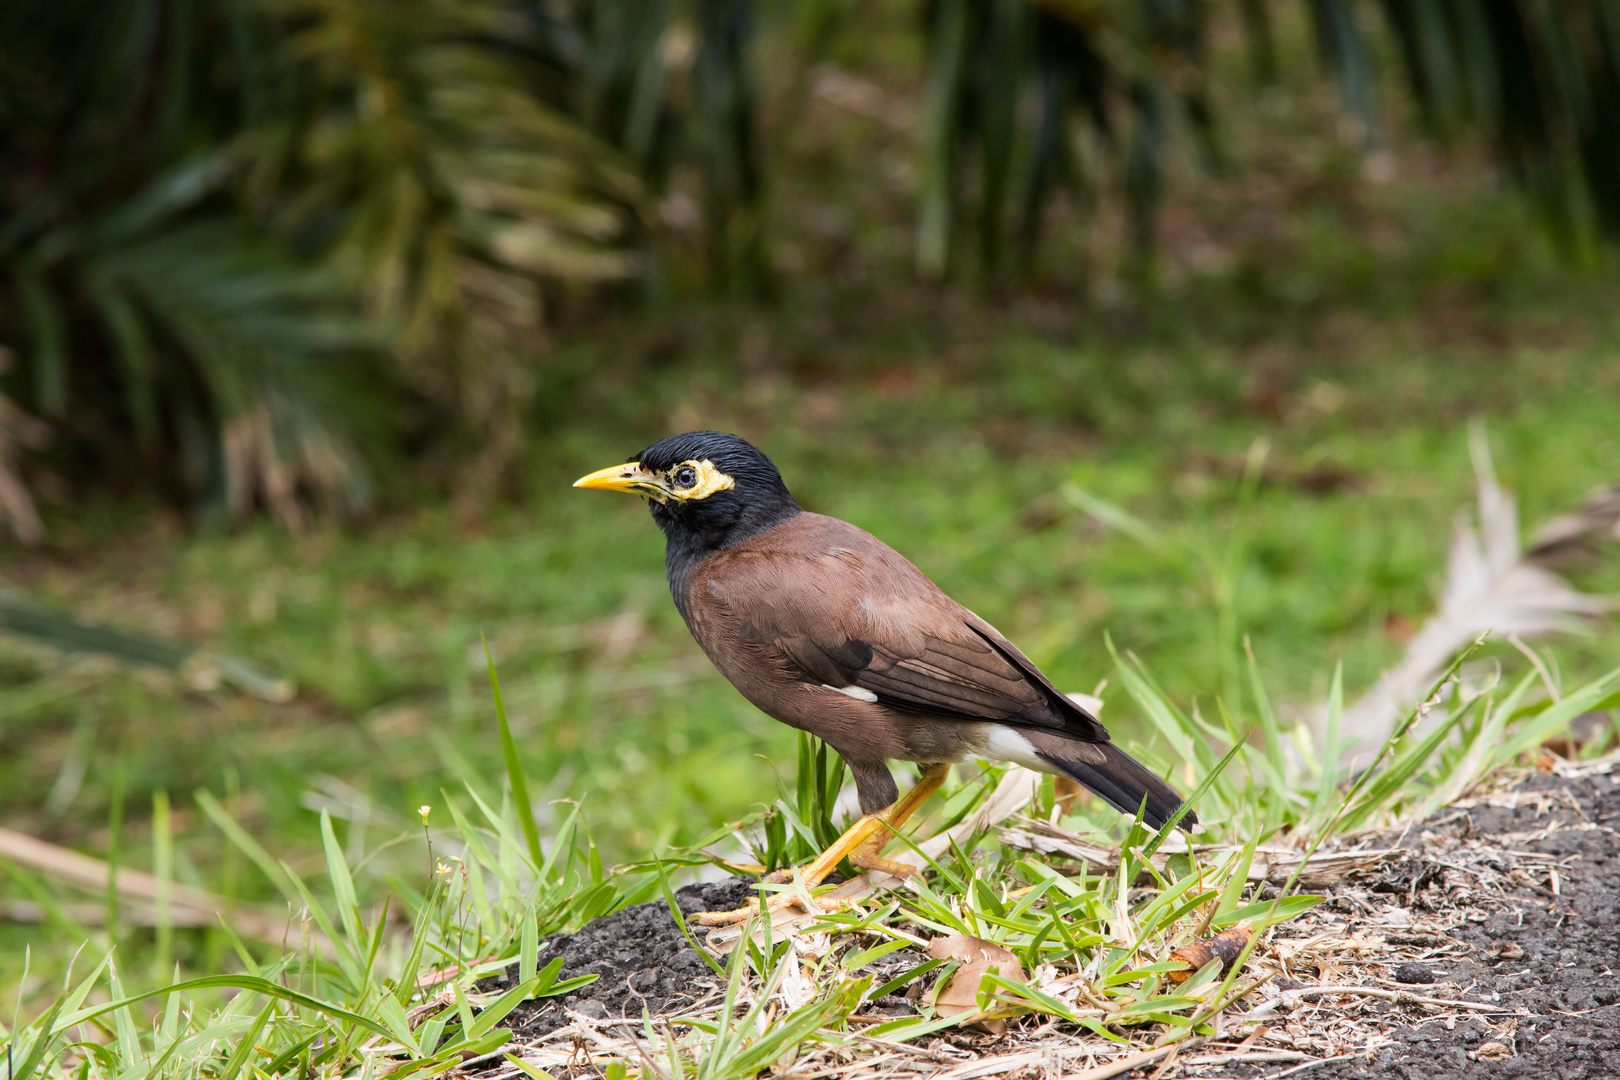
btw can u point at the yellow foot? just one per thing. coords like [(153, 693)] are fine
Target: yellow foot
[(885, 866), (862, 842)]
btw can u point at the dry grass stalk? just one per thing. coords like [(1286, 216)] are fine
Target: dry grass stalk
[(1272, 863), (1225, 947), (186, 906)]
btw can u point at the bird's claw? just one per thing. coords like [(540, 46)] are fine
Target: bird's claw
[(894, 869), (818, 905)]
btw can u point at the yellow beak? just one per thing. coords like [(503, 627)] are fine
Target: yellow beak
[(629, 477)]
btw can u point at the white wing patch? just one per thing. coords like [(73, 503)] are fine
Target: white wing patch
[(855, 692)]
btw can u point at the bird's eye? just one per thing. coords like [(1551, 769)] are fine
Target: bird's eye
[(685, 476)]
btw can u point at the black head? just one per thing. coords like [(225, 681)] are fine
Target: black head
[(707, 490)]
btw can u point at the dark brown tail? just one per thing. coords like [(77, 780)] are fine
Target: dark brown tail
[(1123, 781)]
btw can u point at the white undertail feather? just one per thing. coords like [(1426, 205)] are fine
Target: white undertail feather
[(1007, 744)]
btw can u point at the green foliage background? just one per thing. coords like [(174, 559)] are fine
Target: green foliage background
[(257, 251)]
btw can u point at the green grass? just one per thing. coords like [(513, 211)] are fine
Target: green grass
[(359, 997)]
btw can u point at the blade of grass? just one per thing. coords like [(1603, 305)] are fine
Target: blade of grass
[(1327, 780), (163, 874), (514, 766), (1190, 801), (337, 869), (244, 1048), (680, 921), (246, 844), (266, 987), (1271, 732), (42, 1043)]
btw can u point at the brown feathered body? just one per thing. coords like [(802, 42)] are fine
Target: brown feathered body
[(829, 630)]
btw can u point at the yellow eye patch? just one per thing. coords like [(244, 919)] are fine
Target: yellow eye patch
[(706, 480)]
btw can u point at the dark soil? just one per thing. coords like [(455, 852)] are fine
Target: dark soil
[(1554, 955), (1544, 947), (640, 957)]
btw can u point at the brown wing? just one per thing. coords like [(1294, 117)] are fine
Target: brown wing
[(846, 610)]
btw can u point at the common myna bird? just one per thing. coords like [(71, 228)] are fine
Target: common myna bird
[(830, 630)]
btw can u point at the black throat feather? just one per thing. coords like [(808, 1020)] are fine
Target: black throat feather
[(695, 529)]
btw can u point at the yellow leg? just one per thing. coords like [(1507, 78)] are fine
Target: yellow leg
[(862, 843), (868, 854)]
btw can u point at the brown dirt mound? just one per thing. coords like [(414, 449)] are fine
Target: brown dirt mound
[(640, 957)]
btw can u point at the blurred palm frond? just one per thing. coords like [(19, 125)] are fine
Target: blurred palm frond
[(243, 240), (1028, 101), (1543, 80), (223, 220), (152, 312), (450, 182)]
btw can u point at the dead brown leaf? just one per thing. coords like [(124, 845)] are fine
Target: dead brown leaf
[(978, 957), (1507, 950), (1491, 1051)]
